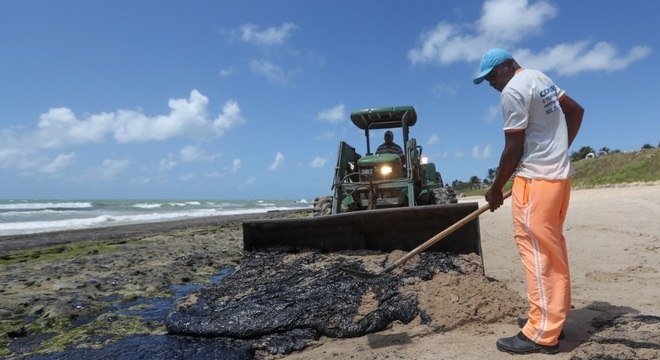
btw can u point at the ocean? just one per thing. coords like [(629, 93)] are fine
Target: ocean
[(36, 216)]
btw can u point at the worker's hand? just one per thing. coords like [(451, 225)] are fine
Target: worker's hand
[(495, 198)]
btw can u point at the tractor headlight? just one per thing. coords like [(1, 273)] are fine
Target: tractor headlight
[(386, 170)]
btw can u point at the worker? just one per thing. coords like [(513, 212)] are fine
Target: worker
[(540, 124), (389, 146)]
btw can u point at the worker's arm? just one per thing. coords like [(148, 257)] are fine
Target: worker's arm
[(573, 113), (514, 142)]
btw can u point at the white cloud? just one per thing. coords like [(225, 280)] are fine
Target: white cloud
[(333, 115), (479, 153), (231, 117), (502, 23), (59, 163), (433, 139), (226, 72), (267, 41), (7, 156), (250, 34), (445, 89), (19, 158), (188, 153), (112, 168), (247, 183), (60, 127), (167, 164), (270, 71), (191, 153), (493, 113), (187, 118), (505, 23), (28, 159), (277, 163), (235, 166), (319, 161), (510, 20), (571, 59)]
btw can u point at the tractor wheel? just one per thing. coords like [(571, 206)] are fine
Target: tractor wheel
[(322, 206), (452, 196), (426, 198), (441, 196)]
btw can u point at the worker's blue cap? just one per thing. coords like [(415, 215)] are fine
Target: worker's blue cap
[(491, 58)]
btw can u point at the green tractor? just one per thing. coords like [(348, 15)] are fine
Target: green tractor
[(380, 201), (379, 181)]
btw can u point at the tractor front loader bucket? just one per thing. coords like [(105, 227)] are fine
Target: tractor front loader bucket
[(382, 229)]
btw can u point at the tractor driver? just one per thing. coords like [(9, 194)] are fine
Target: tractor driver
[(390, 147)]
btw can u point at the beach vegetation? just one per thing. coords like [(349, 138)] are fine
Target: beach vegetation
[(605, 169), (617, 168), (59, 252), (101, 332)]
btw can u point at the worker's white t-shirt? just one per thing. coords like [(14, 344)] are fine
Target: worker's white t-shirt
[(530, 101)]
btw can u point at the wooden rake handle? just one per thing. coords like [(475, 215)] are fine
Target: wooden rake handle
[(441, 235)]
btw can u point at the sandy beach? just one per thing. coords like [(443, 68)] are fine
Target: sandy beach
[(613, 237)]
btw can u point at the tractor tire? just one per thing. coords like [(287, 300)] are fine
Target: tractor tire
[(426, 199), (452, 196), (322, 206), (441, 196)]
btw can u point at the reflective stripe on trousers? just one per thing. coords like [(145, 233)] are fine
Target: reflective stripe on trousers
[(539, 210)]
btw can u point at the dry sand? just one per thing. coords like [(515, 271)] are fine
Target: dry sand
[(613, 237)]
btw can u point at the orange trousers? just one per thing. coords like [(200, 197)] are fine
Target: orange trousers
[(539, 209)]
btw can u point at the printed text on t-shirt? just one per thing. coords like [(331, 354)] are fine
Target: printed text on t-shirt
[(549, 97)]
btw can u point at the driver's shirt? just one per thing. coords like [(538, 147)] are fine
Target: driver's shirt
[(392, 148)]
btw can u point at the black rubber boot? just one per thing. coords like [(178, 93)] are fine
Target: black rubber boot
[(520, 344)]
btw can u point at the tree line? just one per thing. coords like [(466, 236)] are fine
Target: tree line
[(476, 182)]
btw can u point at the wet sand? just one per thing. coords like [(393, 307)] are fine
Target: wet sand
[(613, 237), (50, 281)]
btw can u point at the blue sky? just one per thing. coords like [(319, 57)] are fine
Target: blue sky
[(249, 99)]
